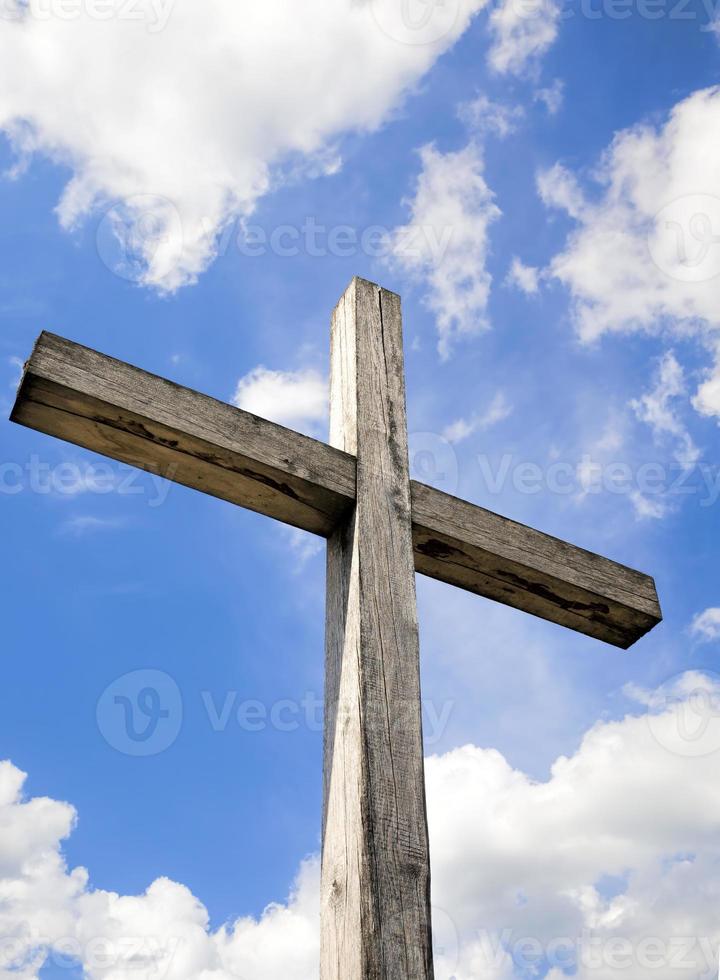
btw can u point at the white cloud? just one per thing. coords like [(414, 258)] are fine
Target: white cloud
[(707, 399), (298, 399), (498, 410), (603, 468), (713, 25), (645, 252), (648, 508), (170, 109), (37, 894), (682, 688), (445, 243), (558, 188), (46, 911), (513, 854), (657, 410), (302, 546), (522, 30), (525, 277), (613, 435), (552, 96), (706, 625), (482, 116), (170, 927), (617, 850)]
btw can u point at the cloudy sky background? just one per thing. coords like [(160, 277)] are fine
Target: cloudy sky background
[(190, 188)]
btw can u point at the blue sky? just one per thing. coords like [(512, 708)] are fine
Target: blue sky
[(602, 350)]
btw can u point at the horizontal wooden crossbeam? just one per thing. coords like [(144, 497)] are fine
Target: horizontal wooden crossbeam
[(130, 415), (120, 411), (482, 552)]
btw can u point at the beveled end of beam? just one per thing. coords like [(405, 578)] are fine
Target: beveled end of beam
[(480, 551), (127, 414)]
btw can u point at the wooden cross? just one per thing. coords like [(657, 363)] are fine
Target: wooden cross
[(381, 528)]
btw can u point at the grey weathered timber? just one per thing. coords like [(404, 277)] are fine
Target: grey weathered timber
[(477, 550), (128, 414), (375, 892), (381, 528), (120, 411)]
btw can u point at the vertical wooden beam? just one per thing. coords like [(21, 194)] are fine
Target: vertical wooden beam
[(376, 871)]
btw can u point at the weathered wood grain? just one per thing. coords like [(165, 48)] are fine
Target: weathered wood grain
[(477, 550), (381, 528), (375, 892), (128, 414)]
